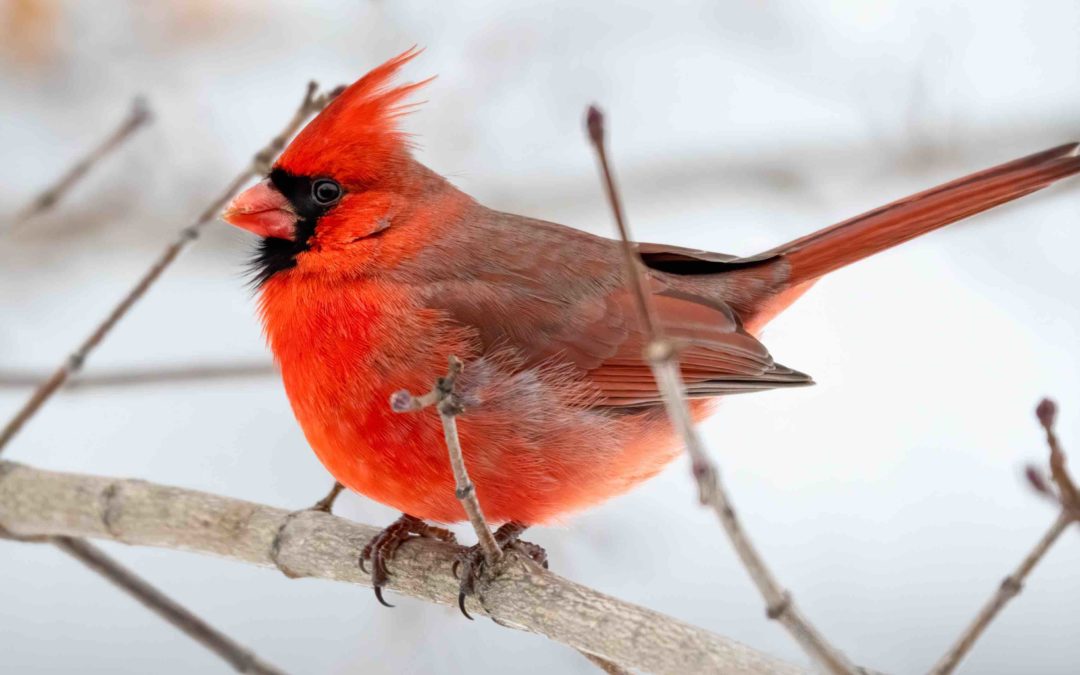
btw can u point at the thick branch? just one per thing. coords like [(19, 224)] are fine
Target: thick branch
[(313, 544), (662, 357)]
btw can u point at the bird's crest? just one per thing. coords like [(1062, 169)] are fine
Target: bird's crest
[(357, 137)]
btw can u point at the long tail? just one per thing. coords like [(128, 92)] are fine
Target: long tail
[(764, 285), (834, 247)]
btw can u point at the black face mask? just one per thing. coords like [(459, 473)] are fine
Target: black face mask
[(310, 199)]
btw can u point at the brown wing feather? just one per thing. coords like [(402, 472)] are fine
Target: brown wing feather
[(596, 329), (718, 357)]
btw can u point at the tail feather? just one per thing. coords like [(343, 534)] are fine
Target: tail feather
[(834, 247)]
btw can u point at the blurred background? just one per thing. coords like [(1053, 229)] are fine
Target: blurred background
[(889, 497)]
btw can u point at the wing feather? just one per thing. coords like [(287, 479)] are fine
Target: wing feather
[(599, 333)]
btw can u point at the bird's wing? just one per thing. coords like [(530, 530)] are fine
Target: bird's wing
[(598, 331), (717, 356)]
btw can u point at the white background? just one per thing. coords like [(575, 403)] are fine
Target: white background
[(888, 498)]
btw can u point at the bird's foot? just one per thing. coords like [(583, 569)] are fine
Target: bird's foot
[(470, 564), (326, 504), (382, 547)]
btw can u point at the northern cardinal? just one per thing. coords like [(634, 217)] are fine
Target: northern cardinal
[(373, 270)]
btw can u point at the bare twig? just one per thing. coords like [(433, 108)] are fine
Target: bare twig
[(1067, 492), (603, 664), (240, 658), (138, 117), (326, 504), (312, 103), (314, 544), (1066, 496), (19, 379), (102, 563), (662, 357), (449, 405), (1010, 587)]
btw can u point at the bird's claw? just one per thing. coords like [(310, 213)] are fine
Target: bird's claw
[(470, 563), (384, 545)]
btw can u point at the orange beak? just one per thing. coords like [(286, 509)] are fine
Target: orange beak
[(263, 210)]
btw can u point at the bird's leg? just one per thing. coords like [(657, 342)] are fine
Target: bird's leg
[(470, 563), (382, 547), (326, 504)]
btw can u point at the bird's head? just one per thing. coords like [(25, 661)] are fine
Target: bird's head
[(332, 184)]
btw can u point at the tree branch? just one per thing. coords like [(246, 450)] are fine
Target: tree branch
[(449, 406), (101, 563), (1067, 493), (240, 658), (312, 103), (1069, 501), (444, 399), (20, 379), (314, 544), (662, 356), (138, 117), (1010, 587)]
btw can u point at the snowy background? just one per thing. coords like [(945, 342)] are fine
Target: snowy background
[(888, 498)]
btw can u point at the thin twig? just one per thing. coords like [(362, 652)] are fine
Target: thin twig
[(317, 545), (609, 667), (18, 379), (312, 103), (242, 659), (239, 657), (1010, 587), (636, 276), (449, 405), (1066, 496), (1067, 492), (138, 117), (326, 504), (103, 564), (662, 357)]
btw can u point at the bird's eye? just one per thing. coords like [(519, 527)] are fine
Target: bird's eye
[(325, 192)]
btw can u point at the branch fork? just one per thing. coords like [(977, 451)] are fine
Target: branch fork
[(1062, 490)]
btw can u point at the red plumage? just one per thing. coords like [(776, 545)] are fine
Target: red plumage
[(370, 291)]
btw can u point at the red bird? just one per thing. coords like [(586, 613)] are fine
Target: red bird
[(373, 270)]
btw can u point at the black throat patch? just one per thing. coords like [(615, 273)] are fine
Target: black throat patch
[(275, 255)]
